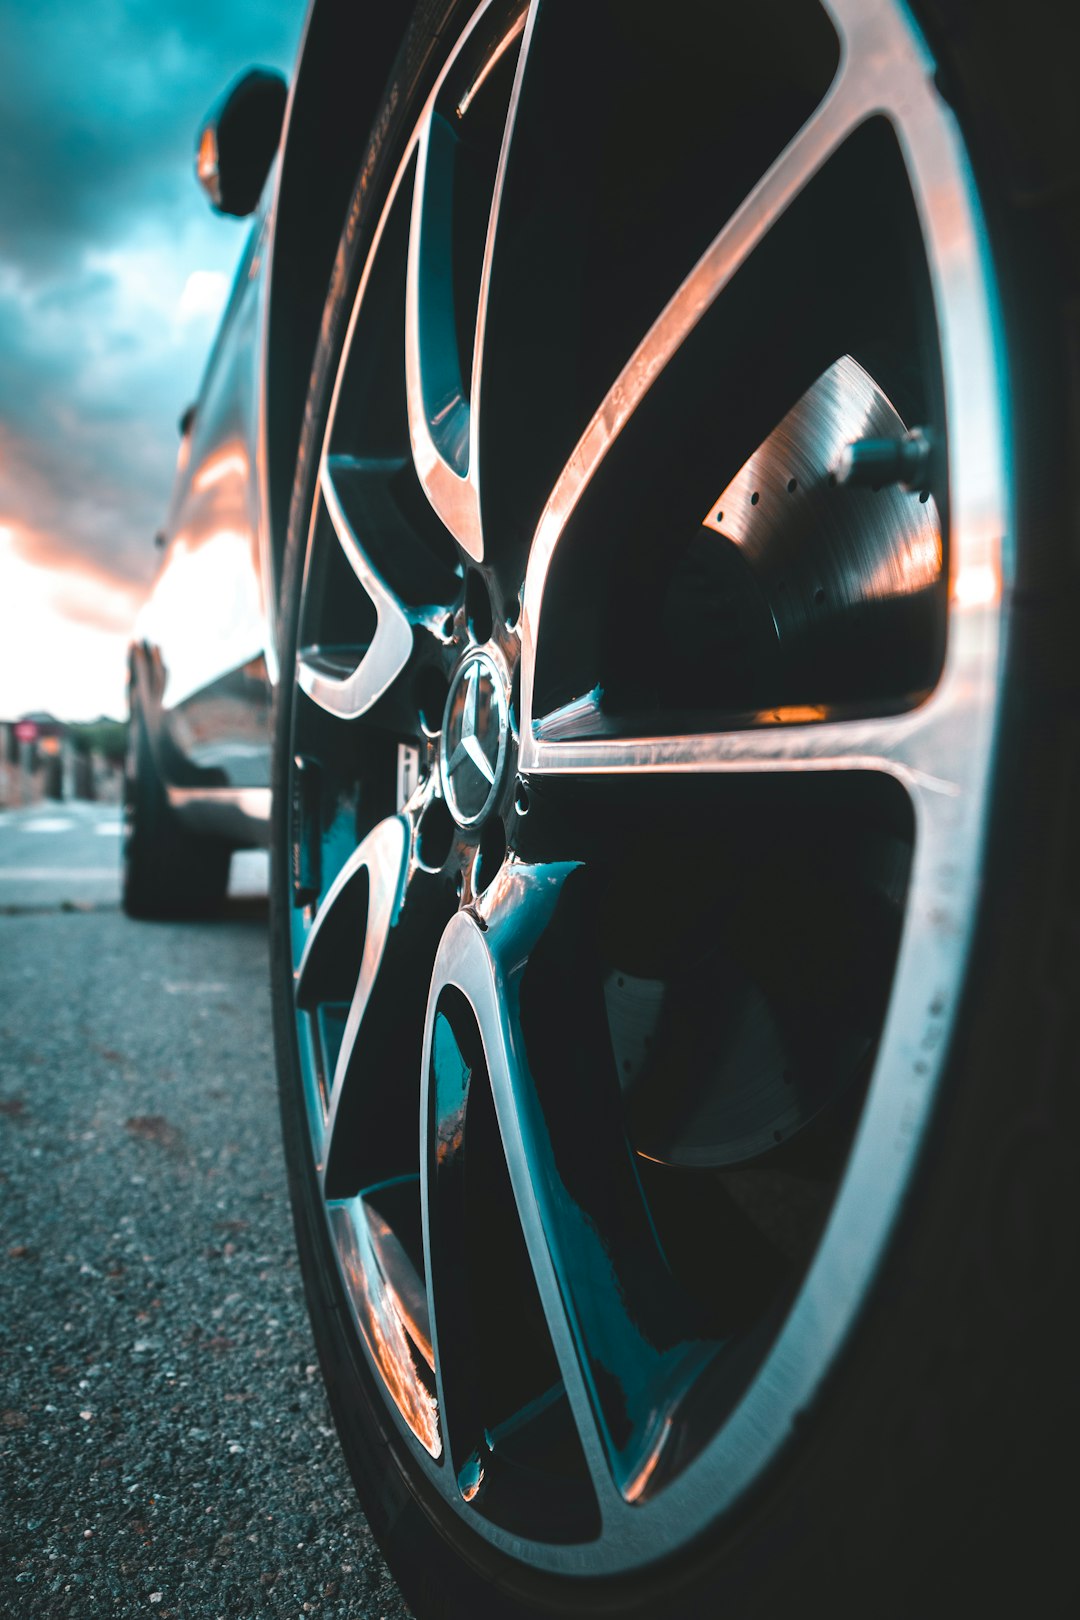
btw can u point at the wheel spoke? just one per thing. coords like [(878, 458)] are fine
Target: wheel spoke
[(361, 907), (623, 1334), (854, 592), (876, 74), (364, 1127), (394, 1338), (932, 751), (442, 402), (935, 750), (380, 915), (397, 622), (847, 102)]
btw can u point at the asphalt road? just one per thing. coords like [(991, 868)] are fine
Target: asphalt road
[(165, 1444)]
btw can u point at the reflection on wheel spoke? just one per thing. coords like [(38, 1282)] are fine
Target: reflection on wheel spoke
[(844, 106), (389, 1330), (343, 935), (386, 655), (446, 310), (850, 596), (622, 1332)]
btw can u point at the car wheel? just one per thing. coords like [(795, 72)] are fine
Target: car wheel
[(166, 871), (652, 970)]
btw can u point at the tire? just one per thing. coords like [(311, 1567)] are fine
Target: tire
[(673, 898), (168, 872)]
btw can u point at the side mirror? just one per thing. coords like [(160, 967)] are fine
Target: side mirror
[(238, 141)]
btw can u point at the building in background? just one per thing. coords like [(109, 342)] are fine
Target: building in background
[(42, 757)]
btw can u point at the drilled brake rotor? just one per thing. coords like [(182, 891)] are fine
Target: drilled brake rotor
[(821, 558)]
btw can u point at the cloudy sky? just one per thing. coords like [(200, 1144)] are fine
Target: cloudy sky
[(113, 272)]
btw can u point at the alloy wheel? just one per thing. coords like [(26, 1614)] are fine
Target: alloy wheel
[(636, 825)]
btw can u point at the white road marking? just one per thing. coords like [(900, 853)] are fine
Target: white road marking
[(249, 874), (59, 874), (109, 829), (48, 824)]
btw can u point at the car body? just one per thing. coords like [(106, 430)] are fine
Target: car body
[(203, 658), (207, 696)]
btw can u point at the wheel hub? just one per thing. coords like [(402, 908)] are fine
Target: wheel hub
[(475, 732)]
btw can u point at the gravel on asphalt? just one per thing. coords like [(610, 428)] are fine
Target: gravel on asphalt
[(165, 1440)]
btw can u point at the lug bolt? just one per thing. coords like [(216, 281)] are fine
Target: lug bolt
[(878, 462)]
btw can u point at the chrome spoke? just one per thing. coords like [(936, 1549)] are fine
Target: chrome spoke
[(349, 695), (464, 964), (380, 866), (623, 1334), (394, 1338), (847, 103), (878, 74), (443, 406), (930, 749), (821, 556), (376, 916), (924, 749)]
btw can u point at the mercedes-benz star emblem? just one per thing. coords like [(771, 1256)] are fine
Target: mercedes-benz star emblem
[(474, 734)]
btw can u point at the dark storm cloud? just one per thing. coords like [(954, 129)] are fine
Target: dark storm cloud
[(100, 106), (100, 224)]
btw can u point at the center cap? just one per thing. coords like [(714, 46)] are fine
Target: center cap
[(474, 732)]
